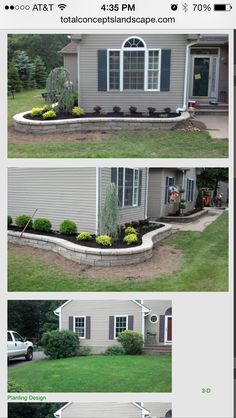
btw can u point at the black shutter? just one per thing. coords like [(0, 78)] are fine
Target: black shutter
[(130, 322), (111, 327), (102, 69), (71, 323), (167, 190), (165, 69), (140, 188), (88, 327), (114, 175), (162, 329)]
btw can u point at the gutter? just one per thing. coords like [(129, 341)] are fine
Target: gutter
[(186, 79)]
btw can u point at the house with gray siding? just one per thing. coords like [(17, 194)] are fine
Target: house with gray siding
[(143, 70), (115, 410), (98, 322), (79, 193)]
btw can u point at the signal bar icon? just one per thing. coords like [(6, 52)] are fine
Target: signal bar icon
[(62, 6)]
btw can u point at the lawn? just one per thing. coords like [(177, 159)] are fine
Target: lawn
[(159, 144), (204, 268), (146, 373)]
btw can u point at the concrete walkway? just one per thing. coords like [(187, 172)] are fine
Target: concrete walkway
[(20, 361), (217, 125), (200, 224)]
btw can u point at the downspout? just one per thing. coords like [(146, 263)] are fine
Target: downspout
[(186, 79)]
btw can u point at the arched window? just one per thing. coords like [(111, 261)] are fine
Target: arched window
[(134, 66)]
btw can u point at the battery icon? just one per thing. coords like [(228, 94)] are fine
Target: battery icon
[(222, 7)]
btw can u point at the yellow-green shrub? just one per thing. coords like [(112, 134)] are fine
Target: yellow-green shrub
[(37, 111), (104, 240), (77, 111), (49, 115), (130, 230), (130, 239), (84, 236)]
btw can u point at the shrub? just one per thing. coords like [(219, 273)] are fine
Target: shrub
[(114, 350), (167, 109), (97, 109), (60, 344), (77, 111), (14, 387), (116, 109), (110, 212), (60, 88), (130, 230), (151, 110), (68, 227), (42, 224), (131, 341), (133, 109), (37, 111), (85, 351), (9, 220), (199, 200), (84, 236), (50, 114), (22, 220), (74, 98), (104, 240), (182, 205), (130, 239)]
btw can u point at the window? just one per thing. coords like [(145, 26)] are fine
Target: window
[(121, 324), (154, 318), (79, 326), (134, 67), (128, 183), (18, 337), (9, 337), (190, 190), (170, 181)]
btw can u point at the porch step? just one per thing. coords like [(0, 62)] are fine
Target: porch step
[(208, 109), (157, 349)]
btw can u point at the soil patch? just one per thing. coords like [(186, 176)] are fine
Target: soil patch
[(165, 260), (142, 230), (190, 125)]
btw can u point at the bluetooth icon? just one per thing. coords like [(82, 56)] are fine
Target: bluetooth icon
[(185, 7)]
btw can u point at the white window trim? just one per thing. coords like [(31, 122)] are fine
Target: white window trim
[(123, 190), (170, 177), (136, 187), (146, 60), (119, 316), (186, 194), (166, 341), (157, 320), (74, 318)]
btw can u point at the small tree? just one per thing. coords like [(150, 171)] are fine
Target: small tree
[(60, 89), (25, 68), (60, 344), (199, 200), (40, 73), (131, 341), (110, 212), (14, 81)]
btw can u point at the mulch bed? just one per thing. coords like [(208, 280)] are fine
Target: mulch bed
[(191, 212), (142, 230), (62, 116)]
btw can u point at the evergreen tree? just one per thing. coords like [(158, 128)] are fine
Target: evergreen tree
[(40, 73), (14, 81), (25, 68), (110, 212)]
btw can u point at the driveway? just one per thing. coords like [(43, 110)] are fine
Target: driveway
[(216, 125), (17, 362)]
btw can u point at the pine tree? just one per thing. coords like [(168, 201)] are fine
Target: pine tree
[(110, 212), (24, 68), (14, 81), (40, 73)]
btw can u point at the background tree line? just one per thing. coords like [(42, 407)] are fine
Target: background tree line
[(31, 318), (31, 58), (36, 410)]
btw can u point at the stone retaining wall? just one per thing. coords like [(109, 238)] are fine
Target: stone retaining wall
[(94, 124), (93, 256), (185, 219)]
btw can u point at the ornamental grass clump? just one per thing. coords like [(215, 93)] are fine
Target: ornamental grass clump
[(68, 227), (111, 213), (60, 88)]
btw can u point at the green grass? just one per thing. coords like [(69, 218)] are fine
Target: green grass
[(146, 373), (159, 144), (23, 101), (204, 268)]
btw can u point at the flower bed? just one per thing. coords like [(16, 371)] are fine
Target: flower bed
[(186, 217), (95, 256)]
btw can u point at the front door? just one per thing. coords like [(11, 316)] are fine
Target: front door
[(205, 76), (168, 329)]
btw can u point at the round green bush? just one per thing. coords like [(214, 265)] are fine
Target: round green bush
[(131, 341), (114, 350), (85, 351), (130, 230), (22, 220), (77, 111), (50, 114), (37, 111), (104, 240), (84, 236), (60, 344), (9, 220), (68, 227), (42, 224), (14, 387), (130, 239)]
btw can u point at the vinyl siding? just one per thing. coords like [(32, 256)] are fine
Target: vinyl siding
[(128, 213), (99, 311), (71, 64), (58, 193), (158, 409), (90, 96), (157, 308), (101, 410)]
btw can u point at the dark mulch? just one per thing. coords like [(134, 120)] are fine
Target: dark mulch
[(191, 212), (92, 243), (61, 116)]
